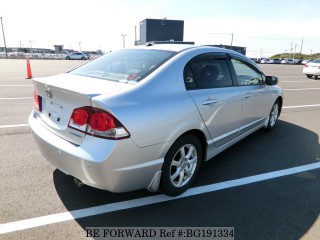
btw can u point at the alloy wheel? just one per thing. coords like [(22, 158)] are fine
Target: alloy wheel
[(183, 165)]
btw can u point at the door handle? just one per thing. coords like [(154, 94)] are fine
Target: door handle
[(209, 102), (248, 95)]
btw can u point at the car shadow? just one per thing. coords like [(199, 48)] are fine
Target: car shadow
[(282, 208), (286, 146)]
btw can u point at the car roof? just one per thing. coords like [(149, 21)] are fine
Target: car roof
[(181, 47)]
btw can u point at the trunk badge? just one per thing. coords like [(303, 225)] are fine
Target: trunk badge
[(49, 93)]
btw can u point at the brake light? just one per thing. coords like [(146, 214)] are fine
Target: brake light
[(80, 117), (306, 65), (102, 121), (37, 101), (98, 123)]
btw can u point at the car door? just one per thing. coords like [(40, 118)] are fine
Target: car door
[(209, 83), (78, 56), (255, 93)]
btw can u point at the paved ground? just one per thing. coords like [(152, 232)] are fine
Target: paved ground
[(285, 206)]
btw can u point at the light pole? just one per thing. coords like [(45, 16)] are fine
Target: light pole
[(295, 48), (291, 50), (135, 35), (231, 40), (80, 46), (4, 39), (124, 40), (311, 54), (301, 46)]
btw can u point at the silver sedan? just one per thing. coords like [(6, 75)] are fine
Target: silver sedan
[(148, 116), (77, 56)]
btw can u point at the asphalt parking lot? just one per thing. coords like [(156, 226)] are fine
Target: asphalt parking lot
[(266, 186)]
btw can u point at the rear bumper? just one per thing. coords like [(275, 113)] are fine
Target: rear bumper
[(113, 165), (311, 71)]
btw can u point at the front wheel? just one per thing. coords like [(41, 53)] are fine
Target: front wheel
[(273, 116), (181, 165)]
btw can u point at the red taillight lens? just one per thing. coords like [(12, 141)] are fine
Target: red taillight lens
[(102, 121), (80, 116), (306, 65), (98, 123), (37, 101)]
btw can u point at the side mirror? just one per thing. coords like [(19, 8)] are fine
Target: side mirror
[(271, 80)]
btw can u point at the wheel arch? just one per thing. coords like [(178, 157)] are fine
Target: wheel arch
[(280, 99)]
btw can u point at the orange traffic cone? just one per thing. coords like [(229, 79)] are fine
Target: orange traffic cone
[(29, 74)]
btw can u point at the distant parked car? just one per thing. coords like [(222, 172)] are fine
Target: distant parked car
[(294, 61), (78, 56), (312, 69), (306, 61), (291, 61), (275, 61), (256, 60), (265, 61)]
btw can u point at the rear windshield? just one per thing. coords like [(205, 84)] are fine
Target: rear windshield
[(126, 65)]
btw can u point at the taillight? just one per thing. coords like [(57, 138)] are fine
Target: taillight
[(306, 65), (80, 117), (102, 121), (37, 101), (98, 123)]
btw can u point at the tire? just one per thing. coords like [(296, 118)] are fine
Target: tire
[(181, 165), (273, 116), (309, 76), (83, 58), (315, 77), (68, 58)]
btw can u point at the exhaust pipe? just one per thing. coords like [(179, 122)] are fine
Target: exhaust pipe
[(78, 182)]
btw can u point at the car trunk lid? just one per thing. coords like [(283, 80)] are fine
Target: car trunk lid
[(63, 93)]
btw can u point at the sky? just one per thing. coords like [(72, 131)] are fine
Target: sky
[(263, 27)]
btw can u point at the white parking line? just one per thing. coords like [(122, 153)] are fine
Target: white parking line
[(280, 76), (302, 106), (20, 98), (295, 81), (299, 89), (16, 85), (13, 126), (112, 207)]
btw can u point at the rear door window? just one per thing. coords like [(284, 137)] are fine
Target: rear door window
[(207, 72)]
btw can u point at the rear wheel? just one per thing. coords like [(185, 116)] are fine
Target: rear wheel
[(309, 76), (315, 77), (273, 116), (68, 58), (181, 165)]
